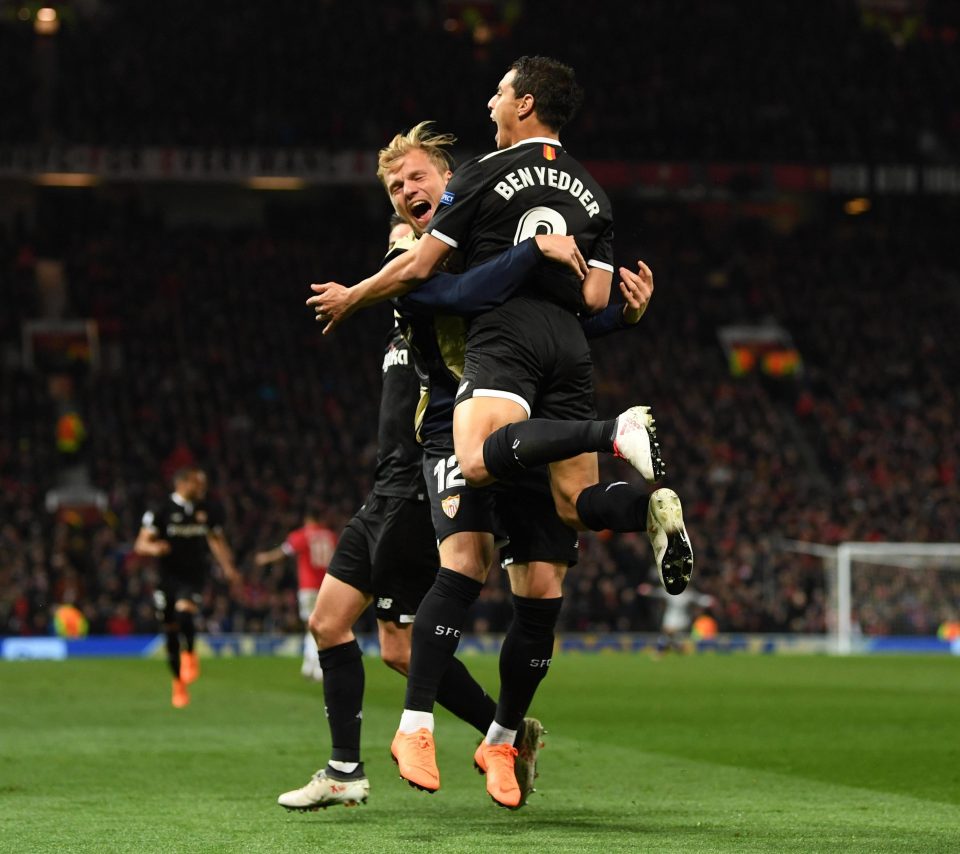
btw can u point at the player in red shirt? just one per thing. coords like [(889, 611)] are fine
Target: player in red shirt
[(313, 545)]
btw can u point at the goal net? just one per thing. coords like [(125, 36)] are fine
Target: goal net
[(889, 596)]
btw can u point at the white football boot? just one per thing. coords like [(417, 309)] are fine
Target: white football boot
[(636, 442), (528, 751), (671, 544), (323, 791)]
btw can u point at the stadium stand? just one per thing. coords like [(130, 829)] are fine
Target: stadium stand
[(824, 82), (207, 352)]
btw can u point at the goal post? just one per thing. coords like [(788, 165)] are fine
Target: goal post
[(916, 584)]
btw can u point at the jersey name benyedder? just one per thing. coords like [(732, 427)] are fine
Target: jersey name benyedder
[(495, 201)]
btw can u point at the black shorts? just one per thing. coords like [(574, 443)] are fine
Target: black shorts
[(174, 588), (535, 353), (520, 514), (388, 551), (455, 506), (526, 509)]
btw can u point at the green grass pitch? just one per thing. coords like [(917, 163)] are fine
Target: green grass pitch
[(706, 753)]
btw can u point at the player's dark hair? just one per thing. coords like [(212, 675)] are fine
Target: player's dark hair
[(395, 220), (556, 94), (314, 510)]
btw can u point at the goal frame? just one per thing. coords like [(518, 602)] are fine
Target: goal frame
[(844, 554)]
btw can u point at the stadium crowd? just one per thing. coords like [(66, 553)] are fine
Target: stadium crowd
[(830, 82), (210, 356)]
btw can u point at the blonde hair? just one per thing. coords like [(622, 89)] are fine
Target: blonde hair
[(434, 145)]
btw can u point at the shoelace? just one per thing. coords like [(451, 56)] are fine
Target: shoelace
[(502, 751)]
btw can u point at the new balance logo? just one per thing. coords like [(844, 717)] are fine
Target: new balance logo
[(384, 602)]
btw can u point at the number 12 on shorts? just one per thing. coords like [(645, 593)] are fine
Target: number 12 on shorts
[(447, 472)]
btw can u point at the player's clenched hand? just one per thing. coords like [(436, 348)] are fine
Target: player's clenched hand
[(563, 249), (333, 304), (637, 288)]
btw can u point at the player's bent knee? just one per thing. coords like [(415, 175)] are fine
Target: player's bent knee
[(474, 470), (395, 649), (396, 660), (568, 514), (327, 632)]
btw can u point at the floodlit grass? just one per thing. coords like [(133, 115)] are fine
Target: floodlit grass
[(704, 753)]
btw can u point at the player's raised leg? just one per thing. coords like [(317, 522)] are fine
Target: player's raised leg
[(583, 503), (497, 440), (495, 448)]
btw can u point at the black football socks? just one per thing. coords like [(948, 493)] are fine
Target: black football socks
[(173, 650), (513, 449), (616, 506), (525, 656), (188, 629), (462, 695), (436, 634), (343, 684)]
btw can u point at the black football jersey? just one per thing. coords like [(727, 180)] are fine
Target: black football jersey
[(438, 344), (399, 457), (185, 525), (534, 187)]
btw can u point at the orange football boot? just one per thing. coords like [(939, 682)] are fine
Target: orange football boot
[(180, 696), (189, 667), (497, 762), (416, 758)]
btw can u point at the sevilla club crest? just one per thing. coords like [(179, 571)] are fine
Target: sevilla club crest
[(451, 504)]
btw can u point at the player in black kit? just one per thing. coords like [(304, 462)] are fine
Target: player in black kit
[(529, 356), (181, 534), (414, 169), (387, 554)]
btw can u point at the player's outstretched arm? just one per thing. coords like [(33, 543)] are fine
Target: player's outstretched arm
[(269, 556), (637, 289), (596, 289), (492, 283), (334, 303)]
